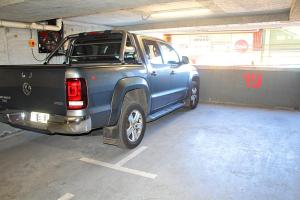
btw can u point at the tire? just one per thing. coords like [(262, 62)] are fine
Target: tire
[(193, 98), (132, 124)]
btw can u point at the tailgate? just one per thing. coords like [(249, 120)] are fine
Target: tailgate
[(38, 88)]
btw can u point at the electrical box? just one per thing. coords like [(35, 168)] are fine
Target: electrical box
[(31, 43), (48, 40)]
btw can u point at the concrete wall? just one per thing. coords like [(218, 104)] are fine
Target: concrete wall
[(266, 87), (14, 47)]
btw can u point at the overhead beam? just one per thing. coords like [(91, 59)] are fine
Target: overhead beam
[(198, 22), (295, 11)]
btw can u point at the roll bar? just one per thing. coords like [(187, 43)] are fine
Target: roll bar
[(62, 42)]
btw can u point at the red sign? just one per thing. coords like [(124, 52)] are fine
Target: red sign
[(241, 46)]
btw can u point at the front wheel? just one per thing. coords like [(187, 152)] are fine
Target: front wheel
[(132, 125), (193, 98)]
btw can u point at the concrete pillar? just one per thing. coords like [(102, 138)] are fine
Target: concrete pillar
[(266, 48), (295, 11)]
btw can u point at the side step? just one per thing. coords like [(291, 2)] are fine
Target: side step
[(163, 112)]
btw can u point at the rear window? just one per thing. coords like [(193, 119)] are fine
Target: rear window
[(97, 48)]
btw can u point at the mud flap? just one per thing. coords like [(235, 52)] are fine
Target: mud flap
[(111, 135)]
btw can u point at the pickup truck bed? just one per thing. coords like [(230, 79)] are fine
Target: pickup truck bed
[(48, 94), (47, 91)]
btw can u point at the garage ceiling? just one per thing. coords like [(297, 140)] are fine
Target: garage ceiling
[(128, 12), (38, 10)]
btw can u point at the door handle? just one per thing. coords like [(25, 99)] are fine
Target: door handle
[(172, 72), (153, 73)]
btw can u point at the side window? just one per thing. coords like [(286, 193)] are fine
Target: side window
[(169, 54), (153, 52)]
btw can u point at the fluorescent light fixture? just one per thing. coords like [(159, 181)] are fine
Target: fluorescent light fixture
[(181, 13)]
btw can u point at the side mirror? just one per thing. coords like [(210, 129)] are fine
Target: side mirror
[(130, 49), (185, 60)]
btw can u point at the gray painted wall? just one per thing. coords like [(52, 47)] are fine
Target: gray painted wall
[(280, 87)]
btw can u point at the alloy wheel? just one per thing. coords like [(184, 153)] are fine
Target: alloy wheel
[(135, 128)]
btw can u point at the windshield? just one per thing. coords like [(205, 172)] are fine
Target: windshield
[(96, 48)]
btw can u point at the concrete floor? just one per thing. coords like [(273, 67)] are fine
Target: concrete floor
[(211, 153)]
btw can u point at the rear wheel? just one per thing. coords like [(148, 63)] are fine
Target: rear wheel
[(193, 99), (132, 125)]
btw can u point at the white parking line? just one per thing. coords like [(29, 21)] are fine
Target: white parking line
[(119, 168), (66, 196), (119, 165), (10, 134), (131, 156)]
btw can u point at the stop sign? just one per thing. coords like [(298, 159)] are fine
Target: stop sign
[(241, 46)]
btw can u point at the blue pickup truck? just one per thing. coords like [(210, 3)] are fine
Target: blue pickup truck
[(113, 80)]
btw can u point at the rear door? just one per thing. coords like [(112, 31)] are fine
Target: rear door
[(179, 75), (159, 75), (38, 88)]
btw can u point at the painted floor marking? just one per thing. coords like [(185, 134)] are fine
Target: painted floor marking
[(67, 196), (131, 156), (118, 168), (10, 134), (119, 165)]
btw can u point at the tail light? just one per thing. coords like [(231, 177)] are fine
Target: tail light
[(76, 93)]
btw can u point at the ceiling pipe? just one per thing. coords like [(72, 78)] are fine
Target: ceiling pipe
[(11, 24)]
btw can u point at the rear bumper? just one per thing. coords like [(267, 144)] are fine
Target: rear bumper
[(56, 123)]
